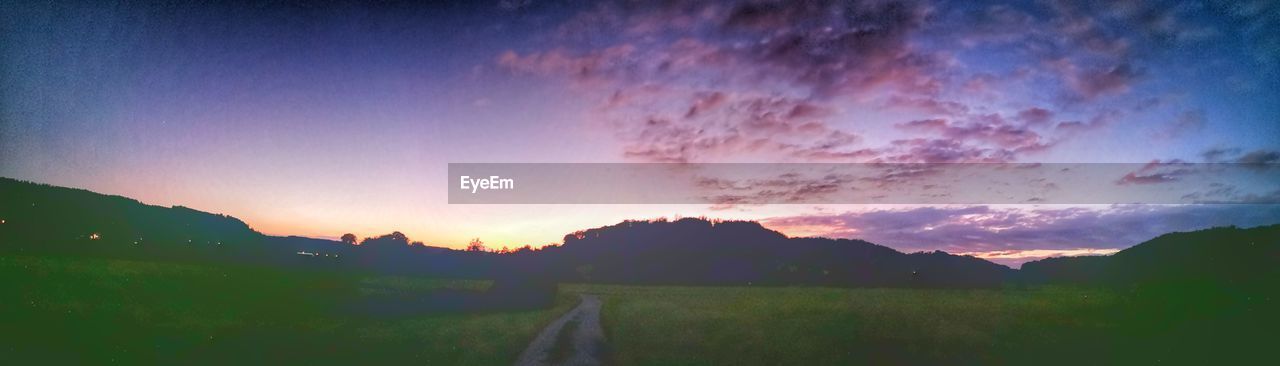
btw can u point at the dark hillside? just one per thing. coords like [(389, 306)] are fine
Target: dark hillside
[(43, 219), (695, 251), (1227, 255), (54, 220)]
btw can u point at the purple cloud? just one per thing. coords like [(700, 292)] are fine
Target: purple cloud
[(698, 81), (720, 124), (1041, 231), (1157, 172)]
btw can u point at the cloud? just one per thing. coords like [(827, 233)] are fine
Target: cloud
[(928, 105), (776, 67), (1015, 257), (1223, 193), (1099, 120), (1094, 82), (990, 129), (828, 48), (972, 138), (1035, 116), (704, 102), (1259, 157), (1157, 172), (922, 150), (717, 124), (600, 66), (783, 188), (984, 229), (1219, 154), (1007, 80), (834, 47)]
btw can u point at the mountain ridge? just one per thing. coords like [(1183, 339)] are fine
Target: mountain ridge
[(46, 219)]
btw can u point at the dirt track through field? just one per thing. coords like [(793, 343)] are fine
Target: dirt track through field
[(576, 338)]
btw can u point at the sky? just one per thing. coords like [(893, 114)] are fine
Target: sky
[(313, 120)]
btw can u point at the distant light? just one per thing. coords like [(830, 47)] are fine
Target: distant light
[(1, 221), (94, 236)]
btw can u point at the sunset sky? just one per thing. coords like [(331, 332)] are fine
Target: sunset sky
[(318, 121)]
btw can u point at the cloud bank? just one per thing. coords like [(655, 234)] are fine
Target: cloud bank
[(1015, 235)]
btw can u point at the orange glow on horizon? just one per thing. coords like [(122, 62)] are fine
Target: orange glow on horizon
[(1040, 253)]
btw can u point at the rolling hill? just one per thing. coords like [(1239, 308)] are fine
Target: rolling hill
[(44, 219)]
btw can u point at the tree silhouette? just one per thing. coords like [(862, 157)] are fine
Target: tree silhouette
[(349, 238), (397, 236), (476, 246)]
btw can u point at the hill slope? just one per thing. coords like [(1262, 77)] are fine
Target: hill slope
[(55, 220), (46, 219), (43, 219), (1226, 255), (695, 251)]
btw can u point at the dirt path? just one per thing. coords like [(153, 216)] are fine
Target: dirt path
[(576, 338)]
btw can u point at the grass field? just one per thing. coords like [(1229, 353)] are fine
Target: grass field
[(96, 311), (683, 326), (829, 326), (61, 310)]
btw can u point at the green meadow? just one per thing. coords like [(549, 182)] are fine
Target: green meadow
[(1185, 323), (769, 326), (98, 311)]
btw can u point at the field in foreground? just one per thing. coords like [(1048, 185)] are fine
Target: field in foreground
[(98, 311), (1178, 324), (61, 310)]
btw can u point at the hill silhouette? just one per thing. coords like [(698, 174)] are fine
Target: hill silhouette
[(44, 219), (697, 251), (1225, 255), (47, 219)]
